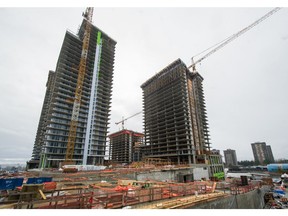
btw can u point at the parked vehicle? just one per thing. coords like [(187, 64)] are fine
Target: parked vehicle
[(284, 178)]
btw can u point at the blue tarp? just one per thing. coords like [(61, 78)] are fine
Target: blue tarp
[(277, 167), (10, 184), (38, 180), (279, 191)]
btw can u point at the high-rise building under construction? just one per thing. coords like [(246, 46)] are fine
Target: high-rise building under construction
[(175, 119), (125, 146), (92, 115)]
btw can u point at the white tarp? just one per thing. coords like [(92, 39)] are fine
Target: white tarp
[(237, 175), (85, 167)]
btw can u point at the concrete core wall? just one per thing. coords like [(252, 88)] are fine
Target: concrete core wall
[(173, 175), (200, 173), (251, 200)]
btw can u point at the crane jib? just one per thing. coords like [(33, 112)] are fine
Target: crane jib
[(234, 36)]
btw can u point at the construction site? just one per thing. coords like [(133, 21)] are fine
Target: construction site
[(171, 165), (126, 187)]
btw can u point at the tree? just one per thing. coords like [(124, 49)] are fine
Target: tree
[(267, 161), (246, 163), (281, 160)]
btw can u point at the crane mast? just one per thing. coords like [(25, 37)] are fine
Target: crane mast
[(78, 92), (233, 37), (127, 119)]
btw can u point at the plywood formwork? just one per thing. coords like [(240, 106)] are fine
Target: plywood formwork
[(189, 201)]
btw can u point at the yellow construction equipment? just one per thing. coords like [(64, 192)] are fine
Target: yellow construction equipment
[(78, 92)]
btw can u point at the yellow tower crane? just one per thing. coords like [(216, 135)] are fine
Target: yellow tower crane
[(78, 92)]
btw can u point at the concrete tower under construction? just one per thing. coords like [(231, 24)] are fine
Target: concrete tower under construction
[(175, 120), (125, 146), (91, 124)]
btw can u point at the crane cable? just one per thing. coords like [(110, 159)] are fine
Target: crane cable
[(214, 45)]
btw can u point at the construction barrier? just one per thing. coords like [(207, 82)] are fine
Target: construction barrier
[(39, 180), (10, 184), (49, 186)]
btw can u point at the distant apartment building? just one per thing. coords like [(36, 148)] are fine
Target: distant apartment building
[(270, 154), (230, 158), (60, 107), (262, 153), (125, 146)]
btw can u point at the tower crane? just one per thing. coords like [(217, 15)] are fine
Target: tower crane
[(126, 119), (233, 37), (78, 92)]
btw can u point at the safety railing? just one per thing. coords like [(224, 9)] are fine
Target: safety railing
[(108, 198)]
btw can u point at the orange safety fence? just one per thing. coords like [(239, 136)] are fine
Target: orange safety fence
[(50, 185)]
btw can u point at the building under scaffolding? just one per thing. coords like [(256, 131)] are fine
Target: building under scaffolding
[(125, 146), (175, 119)]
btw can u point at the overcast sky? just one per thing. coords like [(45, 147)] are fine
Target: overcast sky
[(245, 83)]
